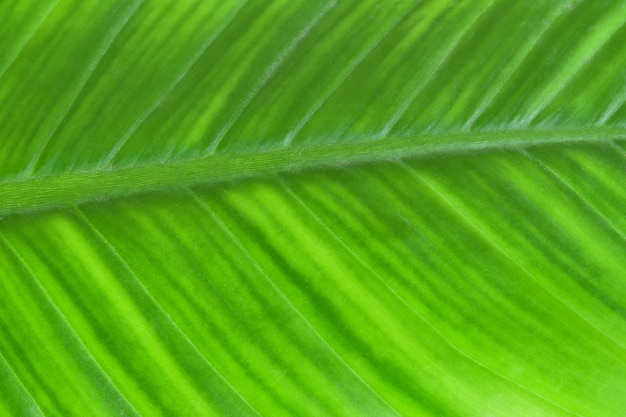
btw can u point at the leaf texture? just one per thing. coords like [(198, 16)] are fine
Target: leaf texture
[(313, 208)]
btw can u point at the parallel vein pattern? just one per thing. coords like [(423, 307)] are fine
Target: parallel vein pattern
[(313, 208)]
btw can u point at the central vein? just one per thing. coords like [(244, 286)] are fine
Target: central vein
[(45, 192)]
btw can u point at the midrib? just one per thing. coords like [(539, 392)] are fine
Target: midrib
[(44, 192)]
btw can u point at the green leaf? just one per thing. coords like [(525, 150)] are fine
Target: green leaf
[(313, 208)]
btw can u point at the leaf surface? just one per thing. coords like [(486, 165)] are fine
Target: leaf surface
[(311, 208)]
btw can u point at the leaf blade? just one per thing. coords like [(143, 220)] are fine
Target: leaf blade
[(403, 209)]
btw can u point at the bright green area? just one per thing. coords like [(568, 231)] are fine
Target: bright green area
[(313, 208)]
